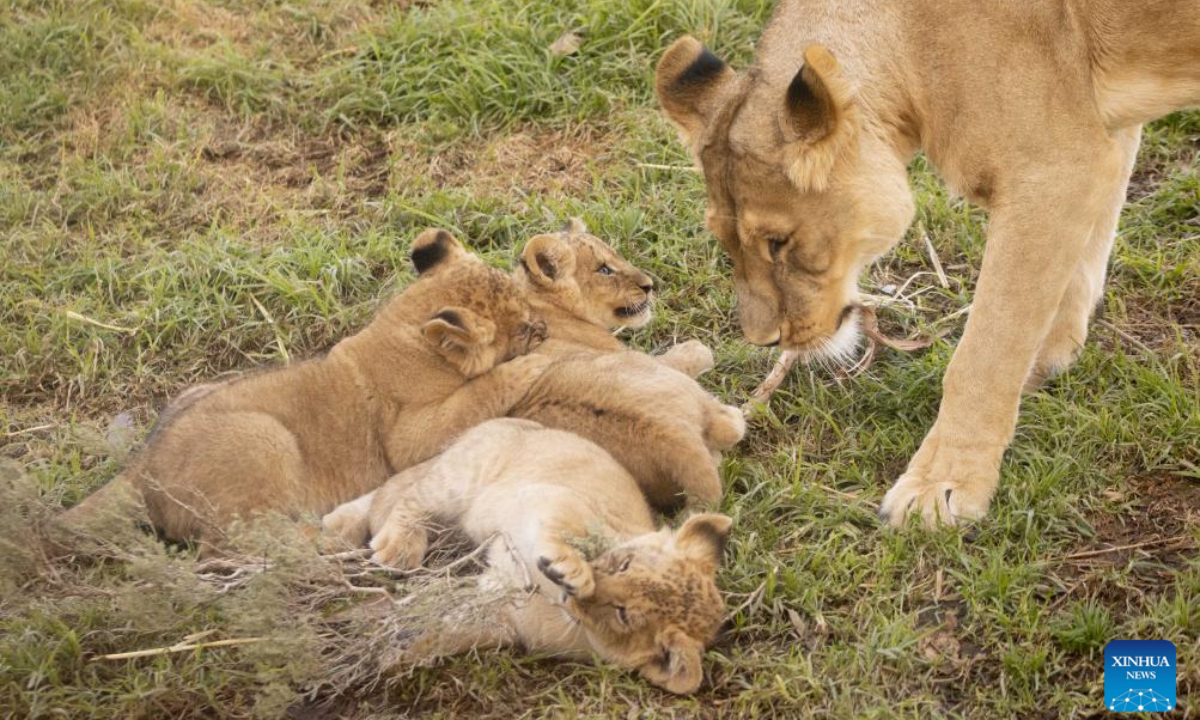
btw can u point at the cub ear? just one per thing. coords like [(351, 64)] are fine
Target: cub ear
[(818, 119), (575, 225), (463, 338), (435, 248), (702, 539), (689, 81), (547, 260), (679, 668)]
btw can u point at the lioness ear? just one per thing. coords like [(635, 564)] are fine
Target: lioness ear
[(702, 539), (689, 81), (575, 225), (463, 338), (818, 119), (679, 668), (547, 259), (434, 248)]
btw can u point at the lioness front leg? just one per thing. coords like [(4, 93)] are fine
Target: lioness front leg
[(1070, 327), (1040, 225), (692, 358)]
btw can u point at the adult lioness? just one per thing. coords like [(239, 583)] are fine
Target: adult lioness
[(649, 602), (306, 437), (1032, 109)]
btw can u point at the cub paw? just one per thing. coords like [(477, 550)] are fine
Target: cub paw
[(346, 527), (692, 358), (400, 546), (570, 572)]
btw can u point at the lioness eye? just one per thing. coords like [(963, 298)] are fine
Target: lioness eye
[(777, 244), (604, 270), (625, 564), (622, 615)]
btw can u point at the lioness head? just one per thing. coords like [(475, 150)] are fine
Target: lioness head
[(801, 192), (656, 605), (473, 315), (581, 274)]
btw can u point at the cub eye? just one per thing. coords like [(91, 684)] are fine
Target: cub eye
[(604, 270), (622, 616), (776, 244), (624, 565)]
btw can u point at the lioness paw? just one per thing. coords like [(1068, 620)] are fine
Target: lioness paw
[(946, 483), (570, 572), (400, 546)]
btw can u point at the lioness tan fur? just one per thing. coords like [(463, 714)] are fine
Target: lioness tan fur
[(646, 411), (305, 437), (1032, 109), (649, 603)]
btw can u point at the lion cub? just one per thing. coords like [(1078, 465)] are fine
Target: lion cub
[(308, 436), (648, 412), (648, 603)]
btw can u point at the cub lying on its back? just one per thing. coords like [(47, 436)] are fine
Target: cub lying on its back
[(646, 411), (649, 603), (305, 437)]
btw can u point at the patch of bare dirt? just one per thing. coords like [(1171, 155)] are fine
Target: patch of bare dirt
[(1150, 536), (524, 161)]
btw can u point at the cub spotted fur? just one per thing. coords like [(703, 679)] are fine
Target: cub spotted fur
[(306, 437), (649, 603), (1032, 109), (646, 411)]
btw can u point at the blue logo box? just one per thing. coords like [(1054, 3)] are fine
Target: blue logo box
[(1139, 676)]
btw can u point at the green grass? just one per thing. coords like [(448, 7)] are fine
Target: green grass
[(205, 186)]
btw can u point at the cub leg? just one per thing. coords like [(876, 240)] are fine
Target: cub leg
[(185, 476), (690, 469), (422, 432), (1070, 327), (403, 510), (1040, 225), (692, 358)]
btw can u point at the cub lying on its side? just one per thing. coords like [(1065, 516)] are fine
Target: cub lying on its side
[(308, 436), (650, 602), (646, 411)]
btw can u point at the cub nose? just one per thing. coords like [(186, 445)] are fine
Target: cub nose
[(647, 285)]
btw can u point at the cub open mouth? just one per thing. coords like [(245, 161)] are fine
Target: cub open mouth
[(633, 310)]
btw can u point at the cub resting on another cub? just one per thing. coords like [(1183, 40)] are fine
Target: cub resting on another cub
[(654, 419), (647, 412), (649, 603), (308, 436)]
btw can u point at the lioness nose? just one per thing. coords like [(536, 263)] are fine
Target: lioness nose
[(647, 286), (766, 339)]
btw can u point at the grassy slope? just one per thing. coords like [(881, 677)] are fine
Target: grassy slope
[(202, 186)]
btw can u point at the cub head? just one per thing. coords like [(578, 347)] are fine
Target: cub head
[(656, 605), (802, 193), (473, 315), (581, 274)]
